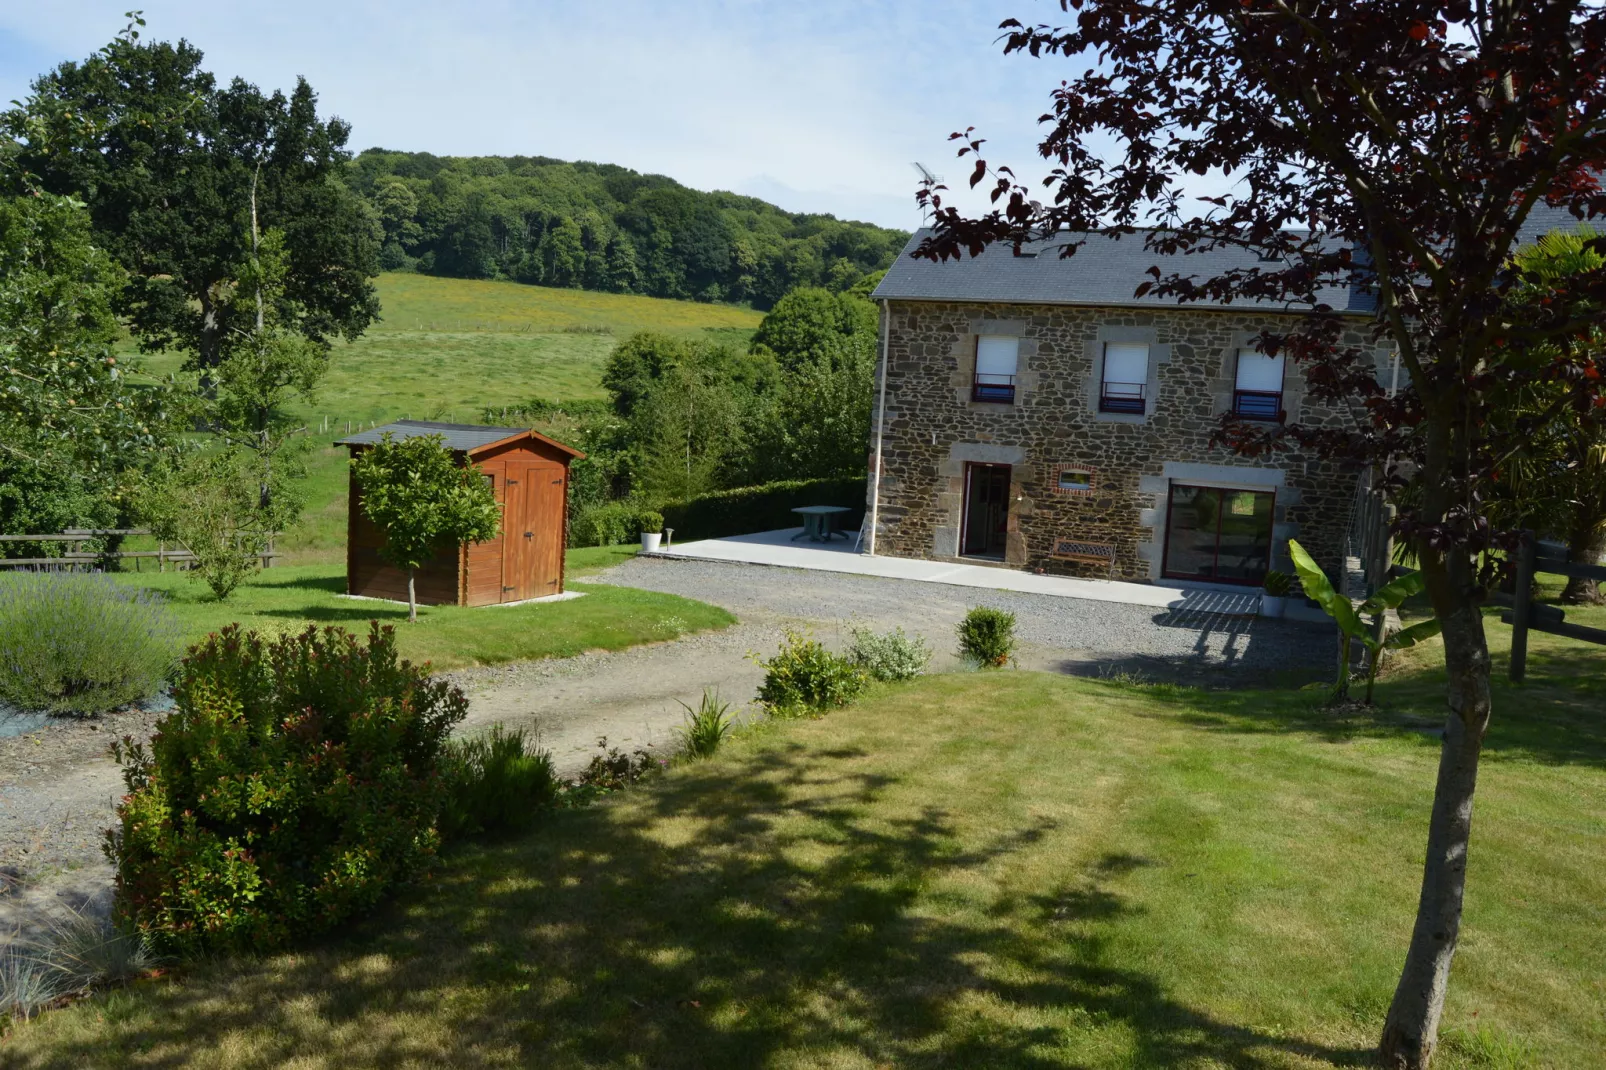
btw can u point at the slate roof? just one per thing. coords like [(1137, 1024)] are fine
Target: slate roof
[(464, 437), (1542, 219), (1106, 271)]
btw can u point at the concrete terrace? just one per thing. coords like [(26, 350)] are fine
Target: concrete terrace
[(777, 548)]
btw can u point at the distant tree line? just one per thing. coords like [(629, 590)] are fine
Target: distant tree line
[(604, 227)]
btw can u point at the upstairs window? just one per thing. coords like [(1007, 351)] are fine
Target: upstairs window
[(1258, 393), (1125, 387), (996, 359)]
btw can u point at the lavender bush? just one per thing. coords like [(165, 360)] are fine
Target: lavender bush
[(81, 644)]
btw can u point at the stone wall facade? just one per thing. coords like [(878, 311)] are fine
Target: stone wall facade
[(934, 429)]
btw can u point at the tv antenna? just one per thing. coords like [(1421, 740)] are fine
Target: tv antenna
[(930, 181)]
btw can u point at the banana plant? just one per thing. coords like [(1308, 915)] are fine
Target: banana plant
[(1352, 626)]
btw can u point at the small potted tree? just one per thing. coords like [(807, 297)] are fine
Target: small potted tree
[(1274, 593), (652, 530)]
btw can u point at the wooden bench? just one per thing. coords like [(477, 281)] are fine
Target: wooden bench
[(1092, 553)]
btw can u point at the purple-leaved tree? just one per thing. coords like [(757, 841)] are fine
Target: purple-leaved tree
[(1410, 146)]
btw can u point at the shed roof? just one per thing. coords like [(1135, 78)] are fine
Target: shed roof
[(464, 438), (1106, 271)]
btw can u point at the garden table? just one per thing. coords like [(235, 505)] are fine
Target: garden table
[(819, 522)]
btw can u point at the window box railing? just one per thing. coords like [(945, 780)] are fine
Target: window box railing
[(1128, 398), (1257, 404), (998, 389)]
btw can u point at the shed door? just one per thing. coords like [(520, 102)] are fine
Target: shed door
[(534, 531)]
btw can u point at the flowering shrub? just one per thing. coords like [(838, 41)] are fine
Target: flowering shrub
[(294, 785)]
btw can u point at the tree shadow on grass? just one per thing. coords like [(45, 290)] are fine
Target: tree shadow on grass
[(1558, 717), (360, 613), (333, 583), (794, 915)]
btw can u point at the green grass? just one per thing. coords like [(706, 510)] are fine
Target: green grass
[(290, 598), (589, 560), (1550, 588), (1001, 870), (445, 349)]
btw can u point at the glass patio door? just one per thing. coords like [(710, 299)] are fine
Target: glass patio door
[(986, 520), (1219, 535)]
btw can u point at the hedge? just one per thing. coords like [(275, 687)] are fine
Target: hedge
[(763, 508)]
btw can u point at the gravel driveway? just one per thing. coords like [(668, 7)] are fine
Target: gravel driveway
[(58, 785), (1075, 635)]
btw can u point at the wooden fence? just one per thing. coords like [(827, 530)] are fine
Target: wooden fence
[(75, 557), (1527, 615)]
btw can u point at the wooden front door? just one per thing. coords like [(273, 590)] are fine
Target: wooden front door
[(532, 538)]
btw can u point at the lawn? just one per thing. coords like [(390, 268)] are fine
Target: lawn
[(979, 870), (607, 618)]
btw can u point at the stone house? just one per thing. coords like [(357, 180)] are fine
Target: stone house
[(1034, 413)]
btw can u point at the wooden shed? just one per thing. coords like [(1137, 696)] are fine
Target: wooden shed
[(530, 475)]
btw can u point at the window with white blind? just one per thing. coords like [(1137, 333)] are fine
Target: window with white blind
[(1125, 386), (997, 357), (1258, 392)]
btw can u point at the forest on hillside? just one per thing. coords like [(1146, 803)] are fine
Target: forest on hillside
[(604, 227)]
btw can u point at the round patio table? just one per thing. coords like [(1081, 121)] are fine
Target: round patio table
[(819, 522)]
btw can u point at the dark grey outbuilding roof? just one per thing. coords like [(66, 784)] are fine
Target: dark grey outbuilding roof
[(1104, 272), (464, 437)]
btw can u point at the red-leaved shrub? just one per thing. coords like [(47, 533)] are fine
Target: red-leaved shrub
[(295, 784)]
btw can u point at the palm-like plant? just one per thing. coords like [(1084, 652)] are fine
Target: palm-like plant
[(1351, 626)]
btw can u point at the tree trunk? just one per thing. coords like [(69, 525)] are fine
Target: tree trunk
[(412, 599), (1585, 548), (209, 349), (1411, 1031), (1345, 669)]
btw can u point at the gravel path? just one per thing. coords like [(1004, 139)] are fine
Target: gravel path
[(1062, 634), (58, 784)]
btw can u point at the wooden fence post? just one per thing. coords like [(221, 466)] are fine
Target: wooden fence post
[(1522, 607)]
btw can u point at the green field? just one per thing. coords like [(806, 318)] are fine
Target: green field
[(445, 349), (448, 637), (1001, 870)]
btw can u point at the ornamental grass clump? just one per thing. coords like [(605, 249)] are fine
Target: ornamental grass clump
[(987, 637), (706, 726), (295, 785), (73, 951), (82, 644), (499, 782)]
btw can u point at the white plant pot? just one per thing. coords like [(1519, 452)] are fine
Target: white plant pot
[(649, 541), (1272, 605)]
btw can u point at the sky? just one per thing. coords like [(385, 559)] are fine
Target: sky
[(820, 106)]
